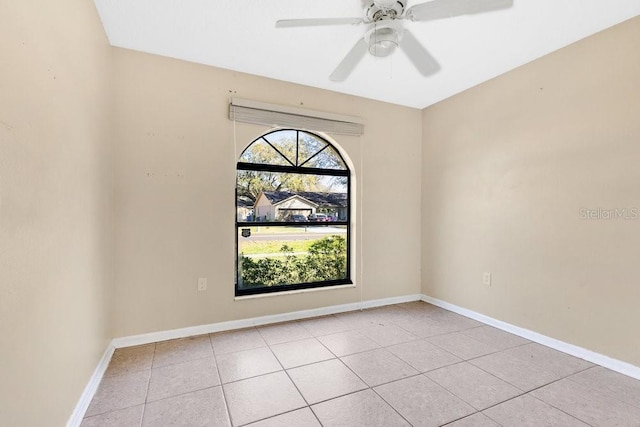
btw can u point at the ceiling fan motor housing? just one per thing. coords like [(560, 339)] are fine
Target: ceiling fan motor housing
[(384, 9)]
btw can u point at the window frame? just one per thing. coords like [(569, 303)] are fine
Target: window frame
[(240, 166)]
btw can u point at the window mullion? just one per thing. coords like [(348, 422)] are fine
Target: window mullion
[(284, 195)]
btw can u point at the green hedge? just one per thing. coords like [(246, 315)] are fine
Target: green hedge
[(326, 260)]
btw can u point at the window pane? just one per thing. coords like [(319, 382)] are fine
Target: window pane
[(291, 208), (260, 152), (285, 142), (308, 145), (327, 159), (277, 196), (271, 256)]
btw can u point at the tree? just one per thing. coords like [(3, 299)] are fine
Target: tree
[(251, 183), (281, 149)]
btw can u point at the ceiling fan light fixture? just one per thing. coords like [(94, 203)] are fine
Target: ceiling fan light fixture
[(383, 41), (384, 21)]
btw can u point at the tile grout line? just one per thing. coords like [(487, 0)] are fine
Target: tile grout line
[(390, 405), (528, 393), (177, 394), (467, 416), (557, 381), (274, 416), (124, 374), (180, 363), (607, 394), (372, 388), (112, 410), (525, 360), (224, 395), (368, 387), (556, 408), (146, 402), (146, 397), (296, 322), (522, 392), (461, 361), (383, 347), (290, 379)]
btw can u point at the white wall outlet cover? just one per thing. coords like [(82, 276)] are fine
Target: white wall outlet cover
[(486, 278), (202, 284)]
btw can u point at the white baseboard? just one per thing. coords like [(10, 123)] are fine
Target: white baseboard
[(85, 399), (574, 350), (257, 321), (90, 390)]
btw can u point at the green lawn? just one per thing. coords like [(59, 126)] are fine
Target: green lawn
[(273, 246), (277, 230)]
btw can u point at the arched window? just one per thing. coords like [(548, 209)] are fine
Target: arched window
[(293, 209)]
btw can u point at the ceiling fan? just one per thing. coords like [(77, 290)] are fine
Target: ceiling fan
[(385, 31)]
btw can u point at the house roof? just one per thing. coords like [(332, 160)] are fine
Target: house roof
[(321, 199), (244, 202)]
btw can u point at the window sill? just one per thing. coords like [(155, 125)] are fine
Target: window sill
[(297, 291)]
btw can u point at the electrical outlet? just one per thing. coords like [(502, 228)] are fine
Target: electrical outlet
[(202, 284), (486, 279)]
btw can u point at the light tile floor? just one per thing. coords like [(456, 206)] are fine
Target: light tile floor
[(407, 364)]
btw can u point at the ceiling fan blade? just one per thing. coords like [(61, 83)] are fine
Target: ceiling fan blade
[(439, 9), (313, 22), (348, 64), (423, 61)]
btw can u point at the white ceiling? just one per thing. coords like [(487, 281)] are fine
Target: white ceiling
[(241, 35)]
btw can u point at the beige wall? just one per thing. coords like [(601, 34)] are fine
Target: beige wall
[(508, 165), (505, 168), (175, 180), (55, 207)]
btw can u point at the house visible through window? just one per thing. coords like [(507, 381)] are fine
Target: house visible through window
[(292, 214)]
